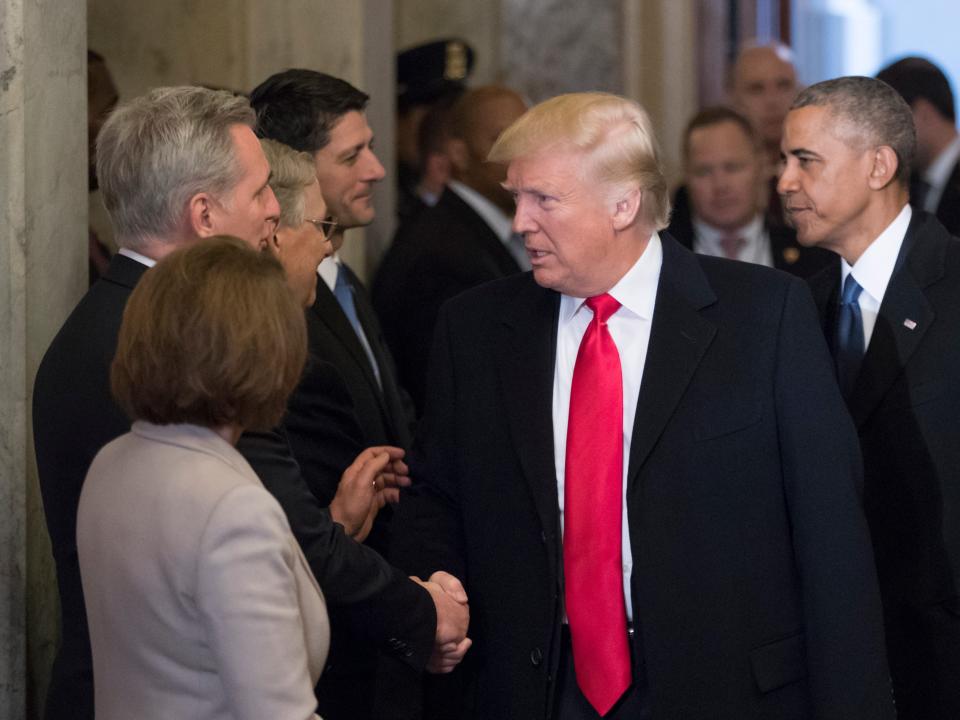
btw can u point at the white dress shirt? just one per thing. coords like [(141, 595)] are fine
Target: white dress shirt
[(873, 269), (756, 247), (497, 220), (629, 327), (938, 173)]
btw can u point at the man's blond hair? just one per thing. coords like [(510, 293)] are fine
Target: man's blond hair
[(614, 134)]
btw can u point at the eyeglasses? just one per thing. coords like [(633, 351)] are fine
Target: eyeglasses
[(327, 226)]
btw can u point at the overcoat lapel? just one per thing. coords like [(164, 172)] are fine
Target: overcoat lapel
[(526, 368), (679, 337)]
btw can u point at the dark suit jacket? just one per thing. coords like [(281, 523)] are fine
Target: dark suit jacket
[(948, 209), (447, 249), (754, 591), (788, 254), (904, 404), (74, 416), (384, 416)]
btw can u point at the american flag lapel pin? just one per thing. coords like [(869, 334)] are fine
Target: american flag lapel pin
[(910, 324)]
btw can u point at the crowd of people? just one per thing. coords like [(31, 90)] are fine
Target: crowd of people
[(585, 450)]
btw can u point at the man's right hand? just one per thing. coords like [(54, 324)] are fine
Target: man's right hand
[(453, 619)]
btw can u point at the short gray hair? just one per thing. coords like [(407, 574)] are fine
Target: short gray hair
[(869, 112), (291, 172), (157, 151)]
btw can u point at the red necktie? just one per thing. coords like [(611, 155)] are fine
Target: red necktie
[(593, 573)]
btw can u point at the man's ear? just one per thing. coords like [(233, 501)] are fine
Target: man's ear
[(884, 168), (200, 213), (626, 208)]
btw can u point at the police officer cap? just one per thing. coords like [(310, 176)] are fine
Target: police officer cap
[(428, 72)]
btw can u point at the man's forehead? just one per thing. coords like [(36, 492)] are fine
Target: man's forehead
[(762, 63), (350, 129)]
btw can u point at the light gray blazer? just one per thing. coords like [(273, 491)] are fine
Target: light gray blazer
[(200, 602)]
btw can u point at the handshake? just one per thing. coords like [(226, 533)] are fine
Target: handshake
[(453, 618)]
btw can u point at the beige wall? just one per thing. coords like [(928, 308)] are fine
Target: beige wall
[(238, 43), (43, 246)]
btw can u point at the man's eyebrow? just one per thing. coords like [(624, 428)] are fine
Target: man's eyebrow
[(797, 152)]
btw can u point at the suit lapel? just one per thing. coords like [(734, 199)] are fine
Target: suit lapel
[(389, 395), (526, 370), (328, 311), (679, 337), (904, 318)]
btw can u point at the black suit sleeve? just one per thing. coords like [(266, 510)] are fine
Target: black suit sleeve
[(846, 659), (377, 602), (322, 428)]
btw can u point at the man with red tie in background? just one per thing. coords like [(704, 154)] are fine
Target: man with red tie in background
[(639, 463)]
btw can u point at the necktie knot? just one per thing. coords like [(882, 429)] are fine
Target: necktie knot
[(603, 306), (851, 291)]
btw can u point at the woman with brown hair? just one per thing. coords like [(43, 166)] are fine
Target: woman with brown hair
[(199, 600)]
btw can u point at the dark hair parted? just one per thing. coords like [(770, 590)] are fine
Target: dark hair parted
[(916, 77), (866, 112), (715, 116), (300, 107), (211, 336)]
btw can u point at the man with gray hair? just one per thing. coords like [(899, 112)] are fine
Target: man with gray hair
[(175, 165), (178, 165), (890, 308), (638, 462)]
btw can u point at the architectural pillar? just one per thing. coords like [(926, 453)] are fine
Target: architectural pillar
[(43, 271)]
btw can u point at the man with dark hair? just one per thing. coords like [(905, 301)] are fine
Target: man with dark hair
[(429, 76), (935, 183), (324, 116), (464, 241), (890, 308), (726, 181)]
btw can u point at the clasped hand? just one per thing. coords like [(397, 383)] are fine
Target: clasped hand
[(453, 619)]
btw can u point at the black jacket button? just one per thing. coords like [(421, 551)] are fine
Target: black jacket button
[(536, 657)]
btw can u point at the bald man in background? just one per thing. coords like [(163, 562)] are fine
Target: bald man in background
[(463, 241)]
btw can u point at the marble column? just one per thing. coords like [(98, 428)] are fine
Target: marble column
[(43, 267)]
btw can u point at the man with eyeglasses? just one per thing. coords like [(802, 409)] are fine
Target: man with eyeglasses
[(325, 117)]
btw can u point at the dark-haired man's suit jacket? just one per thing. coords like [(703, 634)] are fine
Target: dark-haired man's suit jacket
[(445, 250), (326, 430), (74, 415), (948, 208), (905, 406), (754, 590)]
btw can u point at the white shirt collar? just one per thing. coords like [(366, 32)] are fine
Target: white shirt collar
[(636, 291), (493, 216), (710, 236), (134, 255), (328, 268), (873, 269)]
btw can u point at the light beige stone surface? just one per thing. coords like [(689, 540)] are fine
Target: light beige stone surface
[(43, 245)]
